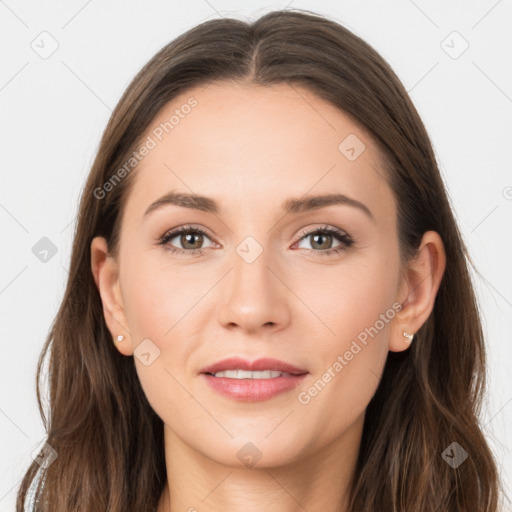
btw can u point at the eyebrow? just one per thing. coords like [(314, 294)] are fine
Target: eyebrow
[(292, 205)]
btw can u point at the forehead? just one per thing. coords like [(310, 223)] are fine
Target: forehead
[(255, 146)]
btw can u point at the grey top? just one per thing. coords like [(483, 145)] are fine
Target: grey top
[(30, 500)]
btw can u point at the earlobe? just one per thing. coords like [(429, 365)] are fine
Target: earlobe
[(419, 288), (106, 276)]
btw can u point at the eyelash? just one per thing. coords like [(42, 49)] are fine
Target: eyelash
[(345, 239)]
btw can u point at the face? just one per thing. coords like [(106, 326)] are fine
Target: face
[(315, 285)]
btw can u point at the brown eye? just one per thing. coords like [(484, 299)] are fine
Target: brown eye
[(190, 239), (195, 241), (321, 240)]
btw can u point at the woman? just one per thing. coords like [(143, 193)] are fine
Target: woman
[(318, 344)]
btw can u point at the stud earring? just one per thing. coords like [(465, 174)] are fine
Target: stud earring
[(120, 338), (408, 336)]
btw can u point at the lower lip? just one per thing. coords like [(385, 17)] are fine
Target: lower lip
[(253, 390)]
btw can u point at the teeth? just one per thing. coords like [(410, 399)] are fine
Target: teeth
[(244, 374)]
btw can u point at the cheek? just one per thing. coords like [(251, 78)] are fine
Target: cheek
[(355, 306), (161, 304), (160, 299), (349, 297), (157, 307)]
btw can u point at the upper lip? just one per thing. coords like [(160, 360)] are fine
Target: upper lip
[(266, 363)]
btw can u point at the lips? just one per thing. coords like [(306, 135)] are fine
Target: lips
[(237, 363)]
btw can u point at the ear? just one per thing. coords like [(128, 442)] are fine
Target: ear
[(418, 289), (105, 270)]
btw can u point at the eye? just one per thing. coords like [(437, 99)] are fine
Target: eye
[(322, 239), (190, 238)]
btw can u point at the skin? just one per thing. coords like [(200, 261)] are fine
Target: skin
[(251, 148)]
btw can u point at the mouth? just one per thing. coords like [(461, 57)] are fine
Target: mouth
[(255, 381)]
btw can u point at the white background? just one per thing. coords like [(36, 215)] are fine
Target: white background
[(54, 110)]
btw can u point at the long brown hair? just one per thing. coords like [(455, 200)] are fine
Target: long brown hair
[(109, 440)]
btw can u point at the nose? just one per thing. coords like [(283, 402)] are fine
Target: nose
[(253, 296)]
